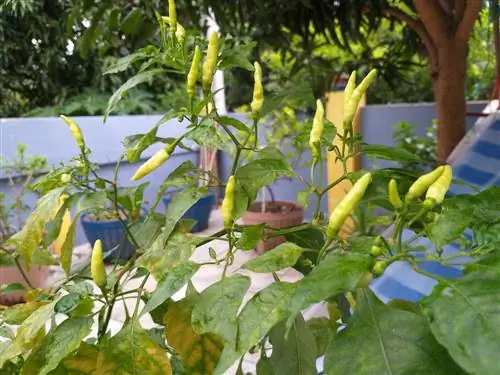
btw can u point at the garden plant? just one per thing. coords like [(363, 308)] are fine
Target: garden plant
[(65, 329)]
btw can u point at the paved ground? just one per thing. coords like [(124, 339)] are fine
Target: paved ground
[(206, 276)]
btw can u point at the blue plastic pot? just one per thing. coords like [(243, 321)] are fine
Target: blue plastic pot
[(111, 233), (199, 212)]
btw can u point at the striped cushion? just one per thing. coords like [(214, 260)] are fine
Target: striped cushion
[(478, 164)]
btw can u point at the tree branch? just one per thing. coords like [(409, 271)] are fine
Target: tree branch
[(434, 19), (458, 9), (470, 15), (421, 31)]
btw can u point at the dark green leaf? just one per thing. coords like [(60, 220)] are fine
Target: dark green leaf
[(295, 353), (126, 62), (92, 200), (7, 288), (131, 21), (67, 303), (336, 274), (322, 329), (179, 205), (82, 288), (139, 78), (264, 366), (271, 303), (309, 238), (233, 122), (390, 153), (361, 244), (250, 236), (174, 281), (386, 340), (216, 310), (137, 143), (283, 256), (146, 232), (450, 225), (207, 136), (59, 343), (464, 317)]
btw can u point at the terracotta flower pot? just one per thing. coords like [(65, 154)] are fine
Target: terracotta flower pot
[(37, 275), (282, 214)]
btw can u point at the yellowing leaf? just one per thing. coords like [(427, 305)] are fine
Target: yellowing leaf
[(63, 231), (199, 353), (90, 361), (19, 313)]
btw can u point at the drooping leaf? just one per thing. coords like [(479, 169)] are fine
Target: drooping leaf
[(295, 353), (336, 274), (59, 343), (282, 256), (271, 303), (139, 78), (125, 62), (179, 205), (264, 366), (27, 333), (174, 281), (386, 340), (464, 316), (250, 236), (135, 353), (199, 353), (233, 122), (31, 235), (66, 256), (390, 153), (217, 307)]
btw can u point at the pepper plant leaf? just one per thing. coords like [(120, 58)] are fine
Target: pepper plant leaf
[(282, 256), (386, 340)]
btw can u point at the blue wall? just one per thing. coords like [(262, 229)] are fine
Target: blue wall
[(51, 137)]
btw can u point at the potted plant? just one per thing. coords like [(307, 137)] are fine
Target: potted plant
[(14, 277), (451, 331)]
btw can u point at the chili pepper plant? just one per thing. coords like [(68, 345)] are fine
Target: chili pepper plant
[(65, 329)]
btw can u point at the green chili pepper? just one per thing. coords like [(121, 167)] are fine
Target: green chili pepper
[(97, 269), (172, 15), (437, 191), (75, 130), (192, 76), (228, 202), (379, 267), (421, 185), (317, 129), (394, 197), (354, 99), (376, 251), (210, 63), (345, 207), (154, 162), (258, 92)]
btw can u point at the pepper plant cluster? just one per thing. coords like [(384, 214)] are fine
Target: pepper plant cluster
[(65, 329)]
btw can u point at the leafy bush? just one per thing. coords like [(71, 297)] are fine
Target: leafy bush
[(453, 331)]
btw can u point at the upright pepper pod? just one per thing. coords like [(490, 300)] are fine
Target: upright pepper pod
[(437, 191), (75, 130), (258, 92), (228, 202), (317, 129), (394, 197), (154, 162), (192, 76), (354, 99), (172, 14), (210, 63), (421, 185), (97, 269), (346, 205), (349, 88)]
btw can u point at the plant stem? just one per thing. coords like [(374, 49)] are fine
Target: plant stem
[(323, 250), (23, 274), (139, 295)]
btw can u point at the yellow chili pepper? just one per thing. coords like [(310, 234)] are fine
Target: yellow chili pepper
[(228, 202), (317, 129), (97, 269), (349, 88), (75, 130), (354, 99), (154, 162), (437, 191), (65, 178), (345, 207), (192, 76), (210, 63), (394, 197), (258, 92), (421, 185), (172, 15)]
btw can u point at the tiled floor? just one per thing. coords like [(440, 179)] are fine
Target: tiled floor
[(206, 276)]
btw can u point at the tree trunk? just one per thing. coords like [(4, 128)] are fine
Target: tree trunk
[(449, 88)]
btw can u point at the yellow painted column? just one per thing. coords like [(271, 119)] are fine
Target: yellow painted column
[(335, 113)]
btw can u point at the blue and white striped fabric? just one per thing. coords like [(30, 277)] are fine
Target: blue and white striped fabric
[(475, 161)]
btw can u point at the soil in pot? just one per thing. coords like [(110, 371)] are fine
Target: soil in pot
[(278, 215)]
